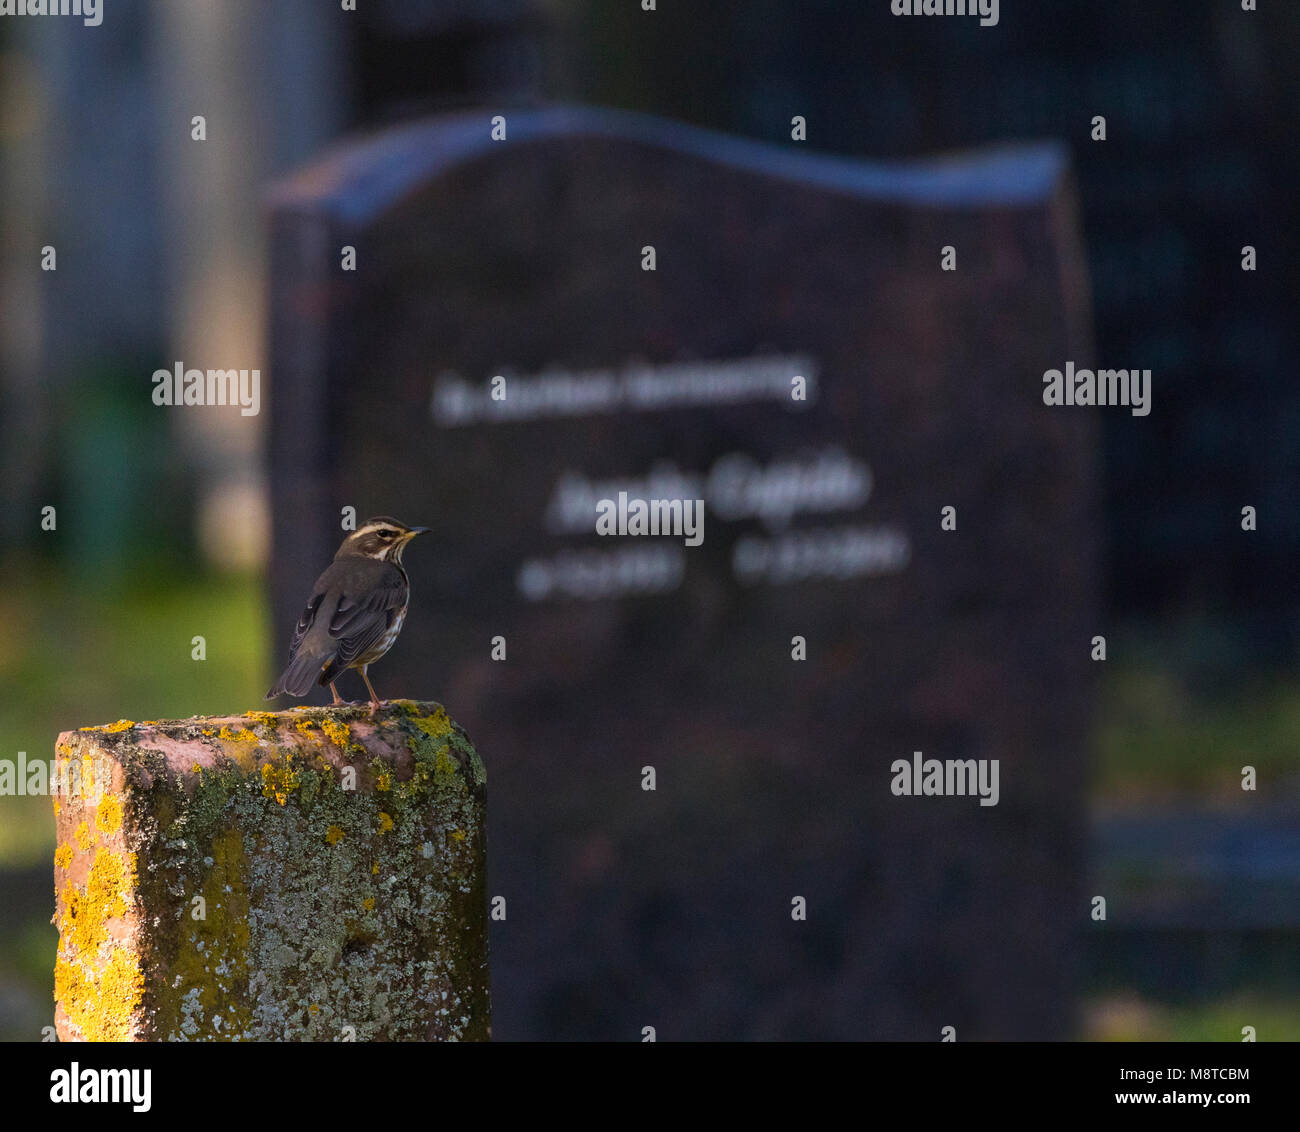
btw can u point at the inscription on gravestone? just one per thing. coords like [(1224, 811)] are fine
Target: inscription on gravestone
[(793, 394)]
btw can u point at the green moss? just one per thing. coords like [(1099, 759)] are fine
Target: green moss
[(442, 751), (209, 972)]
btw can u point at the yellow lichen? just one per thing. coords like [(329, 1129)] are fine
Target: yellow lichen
[(368, 903), (243, 735), (384, 781), (108, 814), (85, 839), (75, 929), (279, 781), (385, 822), (121, 990), (458, 835), (374, 869), (108, 883), (334, 835), (120, 725), (63, 856), (267, 717), (84, 925), (101, 1005), (66, 982), (100, 997), (340, 733)]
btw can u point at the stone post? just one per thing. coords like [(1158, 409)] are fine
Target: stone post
[(310, 875)]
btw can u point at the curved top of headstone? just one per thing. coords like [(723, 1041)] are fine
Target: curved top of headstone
[(361, 179)]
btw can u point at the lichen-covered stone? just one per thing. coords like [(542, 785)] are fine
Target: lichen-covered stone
[(307, 875)]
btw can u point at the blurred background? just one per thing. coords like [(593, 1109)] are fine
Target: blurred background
[(163, 517)]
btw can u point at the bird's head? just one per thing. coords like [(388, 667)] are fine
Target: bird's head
[(381, 538)]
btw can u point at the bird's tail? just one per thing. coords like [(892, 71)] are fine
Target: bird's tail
[(297, 679)]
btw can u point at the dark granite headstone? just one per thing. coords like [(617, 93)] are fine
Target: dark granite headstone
[(522, 259)]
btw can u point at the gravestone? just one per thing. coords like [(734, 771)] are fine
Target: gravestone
[(500, 361)]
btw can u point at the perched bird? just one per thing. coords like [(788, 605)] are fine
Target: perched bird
[(355, 613)]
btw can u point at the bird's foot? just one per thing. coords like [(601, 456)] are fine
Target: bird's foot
[(375, 705)]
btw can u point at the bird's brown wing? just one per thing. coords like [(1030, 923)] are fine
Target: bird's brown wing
[(306, 657), (370, 598), (353, 604), (305, 621)]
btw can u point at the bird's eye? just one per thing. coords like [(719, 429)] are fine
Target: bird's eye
[(387, 534)]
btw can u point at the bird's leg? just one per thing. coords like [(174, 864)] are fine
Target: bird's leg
[(374, 696), (337, 698)]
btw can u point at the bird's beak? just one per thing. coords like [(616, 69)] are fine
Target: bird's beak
[(418, 531)]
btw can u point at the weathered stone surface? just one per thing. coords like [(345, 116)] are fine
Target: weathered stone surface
[(302, 875)]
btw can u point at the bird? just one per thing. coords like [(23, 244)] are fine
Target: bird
[(355, 612)]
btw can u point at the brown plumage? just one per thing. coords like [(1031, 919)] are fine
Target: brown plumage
[(355, 612)]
